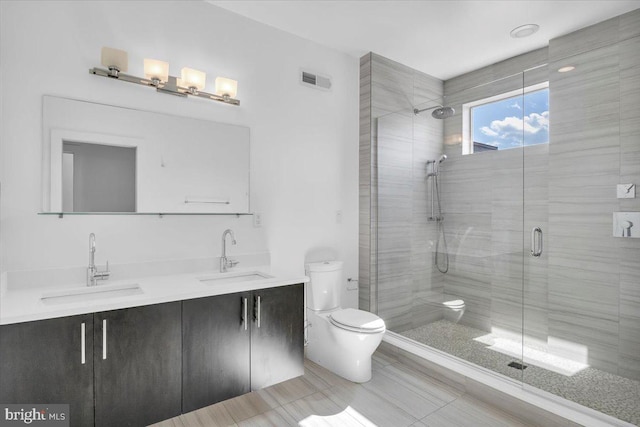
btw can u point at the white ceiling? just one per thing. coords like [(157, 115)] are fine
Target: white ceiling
[(441, 38)]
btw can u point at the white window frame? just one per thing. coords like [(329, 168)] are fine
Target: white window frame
[(467, 130)]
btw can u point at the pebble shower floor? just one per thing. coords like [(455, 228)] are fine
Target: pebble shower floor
[(608, 393)]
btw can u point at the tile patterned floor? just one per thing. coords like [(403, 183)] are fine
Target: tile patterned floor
[(396, 396)]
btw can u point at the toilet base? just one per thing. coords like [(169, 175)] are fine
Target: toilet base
[(450, 312), (357, 373), (345, 353), (453, 316)]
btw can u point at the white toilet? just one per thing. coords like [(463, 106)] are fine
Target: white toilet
[(341, 340), (451, 310), (454, 310)]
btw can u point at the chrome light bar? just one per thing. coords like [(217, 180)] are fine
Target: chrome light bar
[(170, 87)]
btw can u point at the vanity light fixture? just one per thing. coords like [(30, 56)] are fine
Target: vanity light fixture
[(115, 60), (193, 79), (156, 74), (156, 71), (226, 87)]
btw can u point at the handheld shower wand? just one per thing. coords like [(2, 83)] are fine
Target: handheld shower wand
[(436, 164), (439, 218)]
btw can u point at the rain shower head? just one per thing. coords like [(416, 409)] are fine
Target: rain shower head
[(439, 111), (443, 113)]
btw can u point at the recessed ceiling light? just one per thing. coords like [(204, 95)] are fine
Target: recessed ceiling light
[(524, 31), (566, 69)]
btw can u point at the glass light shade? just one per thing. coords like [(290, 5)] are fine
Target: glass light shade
[(226, 86), (193, 78), (154, 69), (114, 58)]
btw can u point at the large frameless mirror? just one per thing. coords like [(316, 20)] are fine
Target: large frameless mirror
[(106, 159)]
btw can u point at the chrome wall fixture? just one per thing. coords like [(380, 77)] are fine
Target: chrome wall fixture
[(156, 74)]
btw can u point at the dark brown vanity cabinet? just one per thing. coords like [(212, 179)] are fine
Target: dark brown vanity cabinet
[(277, 335), (141, 365), (132, 381), (49, 361), (216, 349), (137, 363), (236, 343)]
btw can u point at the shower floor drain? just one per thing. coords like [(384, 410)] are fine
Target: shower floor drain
[(518, 365)]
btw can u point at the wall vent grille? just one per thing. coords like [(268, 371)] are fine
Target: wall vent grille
[(314, 80), (308, 78)]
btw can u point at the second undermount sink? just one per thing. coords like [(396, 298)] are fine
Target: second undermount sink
[(94, 293), (225, 278)]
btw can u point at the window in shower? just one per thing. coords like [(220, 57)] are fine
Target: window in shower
[(508, 120)]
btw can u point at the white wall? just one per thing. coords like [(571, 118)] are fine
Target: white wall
[(304, 142)]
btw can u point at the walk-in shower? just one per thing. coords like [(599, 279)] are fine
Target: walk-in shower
[(562, 320)]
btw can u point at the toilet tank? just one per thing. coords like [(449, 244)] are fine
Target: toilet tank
[(323, 291)]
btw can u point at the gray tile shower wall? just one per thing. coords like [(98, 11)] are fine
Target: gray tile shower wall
[(396, 240), (581, 297), (629, 249), (594, 278), (367, 190)]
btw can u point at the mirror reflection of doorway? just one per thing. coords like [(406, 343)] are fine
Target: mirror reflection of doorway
[(98, 178)]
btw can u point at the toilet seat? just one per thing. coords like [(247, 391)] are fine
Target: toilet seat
[(458, 303), (357, 321)]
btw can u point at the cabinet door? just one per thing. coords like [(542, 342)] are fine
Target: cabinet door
[(138, 371), (216, 349), (41, 362), (277, 335)]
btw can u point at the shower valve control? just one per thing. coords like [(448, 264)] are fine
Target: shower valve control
[(626, 191), (626, 224)]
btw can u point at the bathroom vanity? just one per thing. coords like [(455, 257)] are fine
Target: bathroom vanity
[(151, 358)]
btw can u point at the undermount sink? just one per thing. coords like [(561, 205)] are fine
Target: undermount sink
[(94, 293), (225, 278)]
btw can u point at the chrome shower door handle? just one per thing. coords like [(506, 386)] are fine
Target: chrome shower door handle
[(536, 241)]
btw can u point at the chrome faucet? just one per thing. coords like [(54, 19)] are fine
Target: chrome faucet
[(93, 275), (226, 263)]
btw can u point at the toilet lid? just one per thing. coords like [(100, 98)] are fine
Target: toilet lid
[(357, 320)]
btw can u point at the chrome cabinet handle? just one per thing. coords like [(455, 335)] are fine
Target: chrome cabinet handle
[(104, 339), (258, 311), (536, 241), (83, 351), (244, 311)]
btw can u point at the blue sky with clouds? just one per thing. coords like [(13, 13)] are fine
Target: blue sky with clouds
[(513, 122)]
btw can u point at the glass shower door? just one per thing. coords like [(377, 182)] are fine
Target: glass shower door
[(581, 310), (482, 196), (473, 309)]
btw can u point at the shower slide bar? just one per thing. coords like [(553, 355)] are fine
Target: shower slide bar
[(432, 173)]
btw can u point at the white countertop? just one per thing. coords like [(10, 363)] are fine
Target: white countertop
[(23, 305)]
